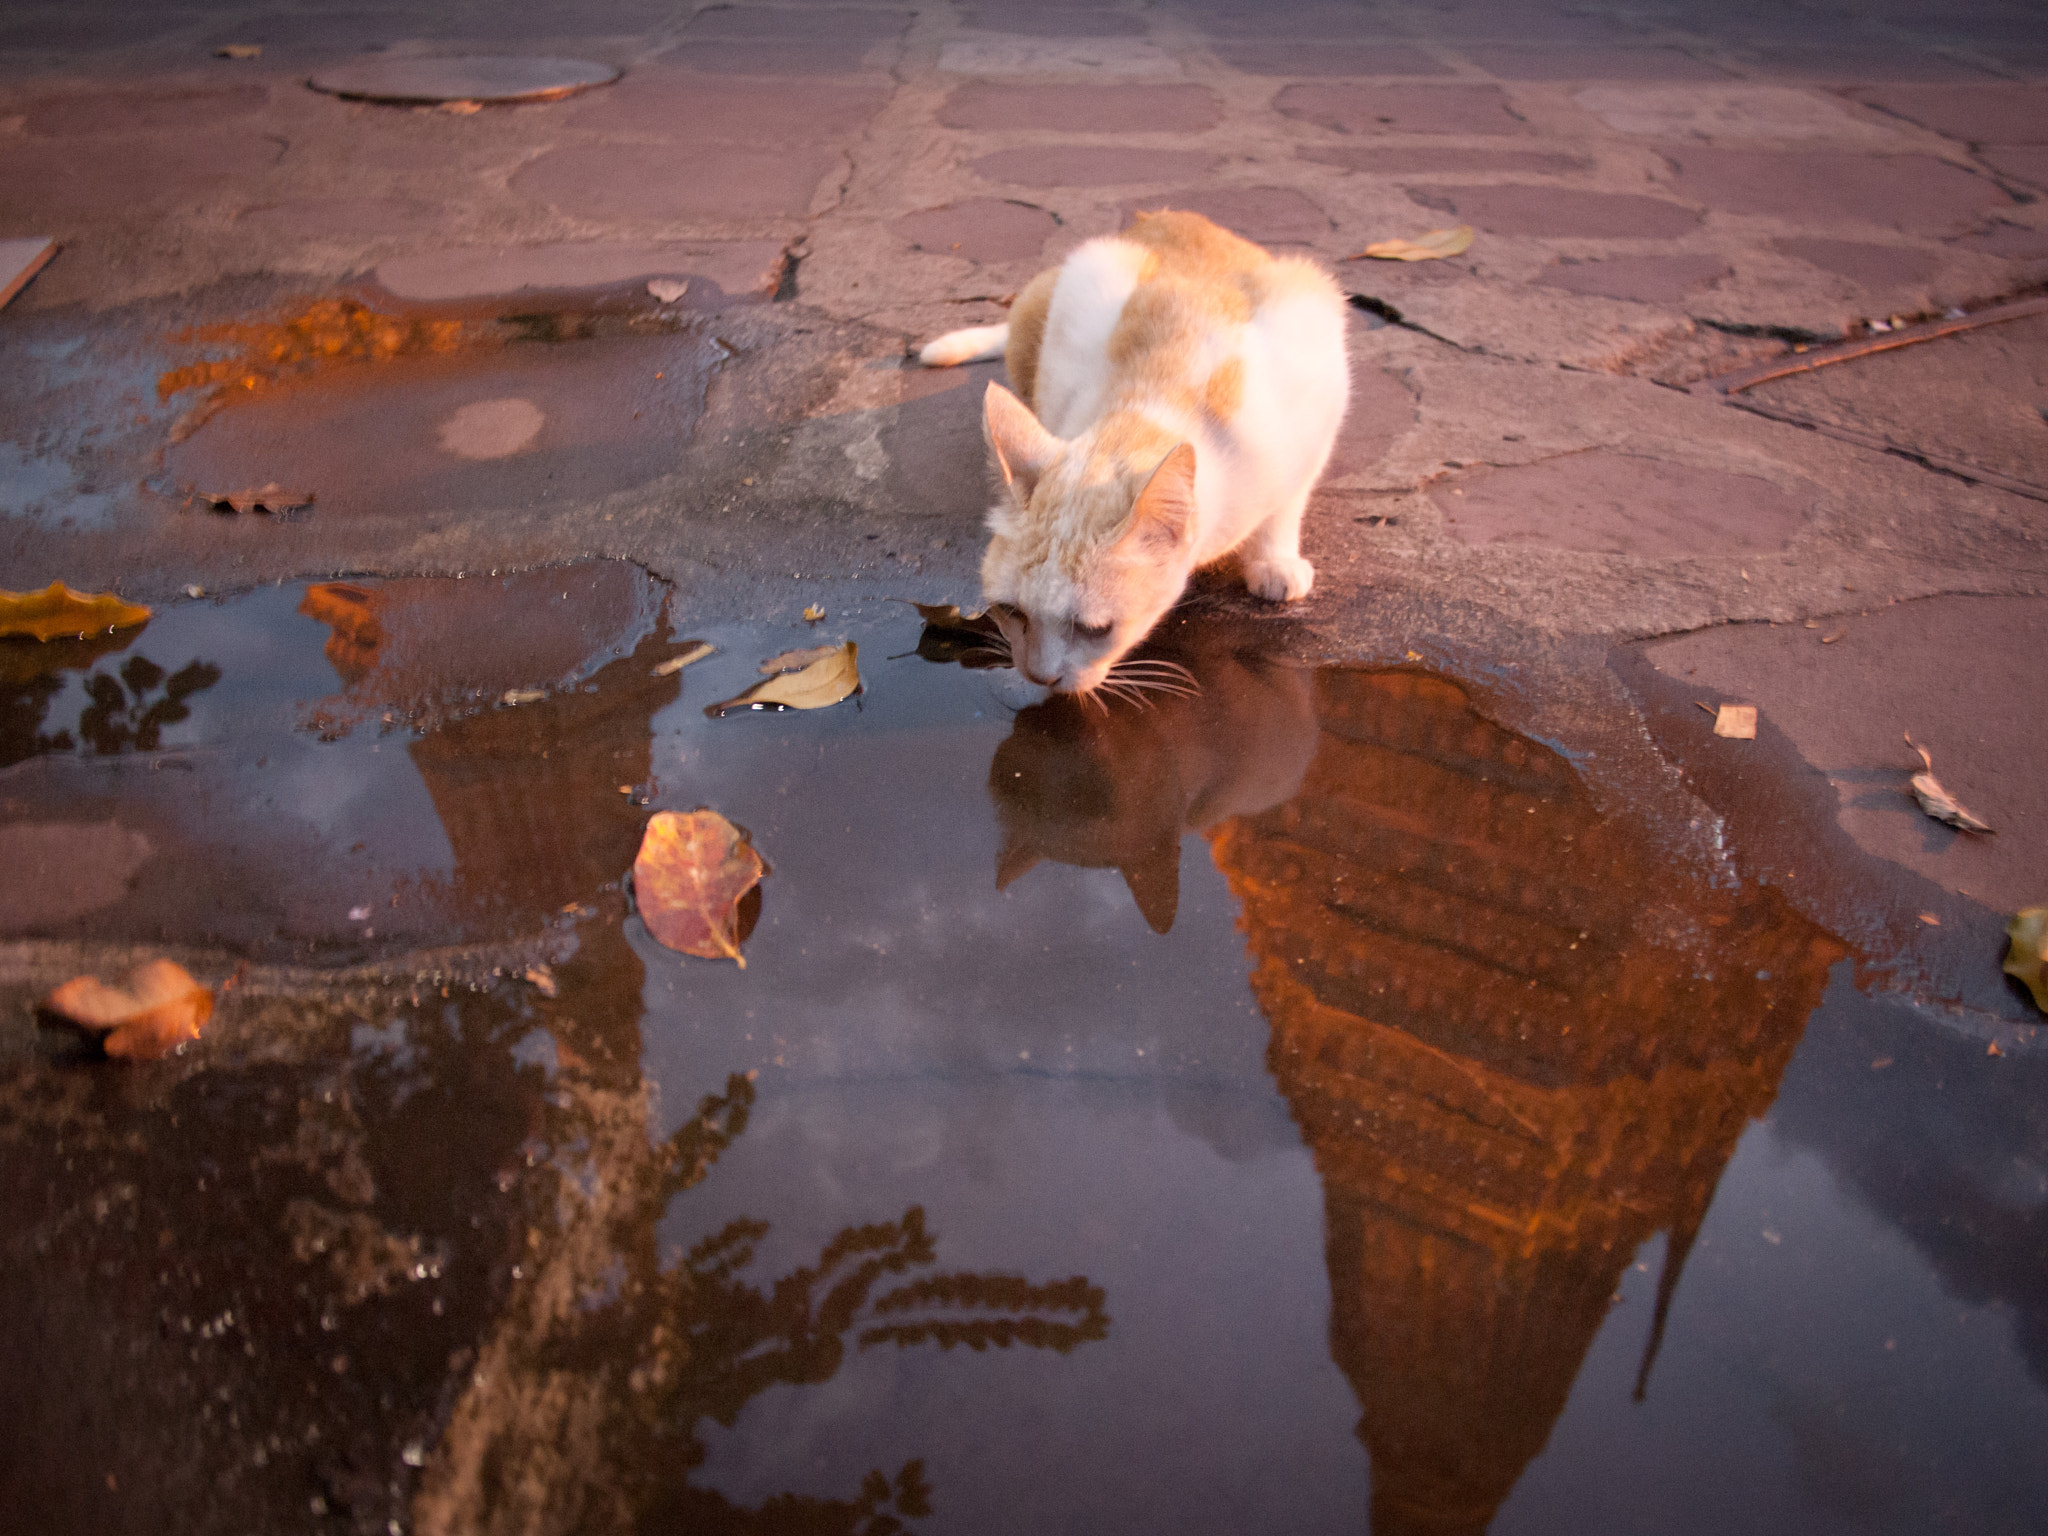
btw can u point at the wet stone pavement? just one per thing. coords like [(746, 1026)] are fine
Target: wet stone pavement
[(1422, 1080)]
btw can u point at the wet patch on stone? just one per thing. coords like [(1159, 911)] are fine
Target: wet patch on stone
[(1617, 503), (1365, 109), (1082, 108), (719, 272), (373, 438), (979, 229), (1553, 213), (1086, 165), (1645, 279)]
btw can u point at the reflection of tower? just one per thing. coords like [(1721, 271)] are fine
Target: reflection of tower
[(1518, 1044)]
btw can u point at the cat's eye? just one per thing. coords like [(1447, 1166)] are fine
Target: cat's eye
[(1092, 631)]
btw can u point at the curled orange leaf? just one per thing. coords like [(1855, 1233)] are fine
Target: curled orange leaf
[(58, 613), (688, 879), (157, 1010)]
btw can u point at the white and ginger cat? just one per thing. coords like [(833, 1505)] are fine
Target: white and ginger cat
[(1182, 391)]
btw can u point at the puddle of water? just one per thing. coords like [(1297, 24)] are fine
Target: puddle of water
[(453, 412), (1297, 1107)]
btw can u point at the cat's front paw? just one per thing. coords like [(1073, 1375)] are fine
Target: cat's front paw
[(1281, 578)]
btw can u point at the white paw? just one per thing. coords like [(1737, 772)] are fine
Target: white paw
[(1280, 579)]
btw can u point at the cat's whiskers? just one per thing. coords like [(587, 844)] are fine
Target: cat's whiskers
[(1151, 674)]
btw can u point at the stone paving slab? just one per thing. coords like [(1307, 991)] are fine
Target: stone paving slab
[(1623, 504), (1312, 59), (1556, 213), (1088, 165), (1082, 108), (1515, 62), (980, 229), (1352, 108), (1869, 266), (659, 184), (1431, 160), (665, 103), (1645, 279), (1825, 189), (1981, 113)]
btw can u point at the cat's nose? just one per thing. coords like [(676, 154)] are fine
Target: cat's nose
[(1033, 677)]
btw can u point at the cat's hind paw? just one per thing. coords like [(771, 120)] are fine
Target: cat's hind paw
[(1280, 578)]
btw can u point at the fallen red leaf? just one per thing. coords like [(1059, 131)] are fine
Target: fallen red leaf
[(158, 1009), (688, 879)]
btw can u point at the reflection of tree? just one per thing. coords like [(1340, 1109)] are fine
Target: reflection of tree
[(116, 720), (121, 715)]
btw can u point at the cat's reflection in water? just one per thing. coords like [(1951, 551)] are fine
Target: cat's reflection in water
[(1117, 787)]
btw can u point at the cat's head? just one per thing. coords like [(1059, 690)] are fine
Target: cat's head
[(1092, 539)]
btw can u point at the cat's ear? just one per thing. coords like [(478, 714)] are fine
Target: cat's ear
[(1164, 517), (1024, 450), (1154, 879)]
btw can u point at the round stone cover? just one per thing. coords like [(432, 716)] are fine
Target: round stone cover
[(464, 77)]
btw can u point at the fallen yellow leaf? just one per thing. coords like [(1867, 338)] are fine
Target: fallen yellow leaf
[(796, 661), (688, 879), (58, 613), (1737, 721), (2026, 954), (239, 51), (814, 613), (158, 1010), (832, 677), (1936, 801), (696, 651), (1434, 246)]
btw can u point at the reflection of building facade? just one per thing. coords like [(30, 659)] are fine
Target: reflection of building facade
[(1519, 1043)]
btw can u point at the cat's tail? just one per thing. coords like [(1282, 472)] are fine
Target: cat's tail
[(976, 344)]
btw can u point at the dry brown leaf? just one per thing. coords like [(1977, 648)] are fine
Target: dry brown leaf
[(1737, 721), (814, 613), (688, 879), (1434, 246), (1936, 801), (459, 108), (239, 51), (796, 661), (516, 696), (2026, 953), (696, 651), (158, 1009), (58, 613), (259, 498), (832, 677), (543, 979)]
